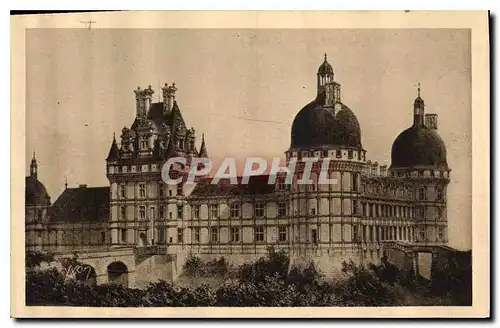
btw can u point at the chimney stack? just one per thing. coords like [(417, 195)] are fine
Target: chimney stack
[(168, 97), (383, 170), (431, 121), (143, 100)]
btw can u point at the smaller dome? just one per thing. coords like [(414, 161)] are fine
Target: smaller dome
[(325, 68), (418, 147), (35, 193)]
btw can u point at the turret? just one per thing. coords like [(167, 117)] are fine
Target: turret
[(203, 149), (418, 110), (34, 167), (327, 87)]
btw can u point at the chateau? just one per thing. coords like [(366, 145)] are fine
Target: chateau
[(370, 205)]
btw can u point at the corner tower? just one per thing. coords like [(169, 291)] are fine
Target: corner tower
[(419, 156)]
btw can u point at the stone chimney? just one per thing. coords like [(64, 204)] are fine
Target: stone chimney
[(431, 121), (143, 100), (168, 97), (383, 170)]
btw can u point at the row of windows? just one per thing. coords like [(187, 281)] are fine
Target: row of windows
[(383, 210), (235, 210), (404, 192), (142, 191), (324, 153), (214, 234)]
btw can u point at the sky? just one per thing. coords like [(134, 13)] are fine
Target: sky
[(242, 89)]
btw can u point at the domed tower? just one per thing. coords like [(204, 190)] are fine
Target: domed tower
[(37, 204), (419, 154), (326, 136)]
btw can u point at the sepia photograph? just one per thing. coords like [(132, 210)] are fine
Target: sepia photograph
[(251, 167)]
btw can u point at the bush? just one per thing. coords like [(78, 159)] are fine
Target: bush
[(363, 287), (276, 263), (195, 267), (265, 282), (33, 259)]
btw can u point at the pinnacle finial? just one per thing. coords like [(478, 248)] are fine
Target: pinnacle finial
[(33, 154), (418, 89), (66, 182), (325, 56)]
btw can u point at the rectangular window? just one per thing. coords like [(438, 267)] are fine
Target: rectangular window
[(349, 154), (235, 235), (124, 235), (103, 237), (197, 235), (170, 215), (354, 181), (214, 211), (196, 211), (142, 190), (440, 233), (280, 184), (282, 236), (170, 193), (180, 211), (354, 207), (314, 236), (152, 212), (142, 212), (161, 235), (338, 153), (422, 194), (258, 209), (258, 234), (180, 235), (313, 211), (234, 211), (282, 209), (214, 235), (180, 190), (422, 233), (123, 212), (123, 191), (161, 190), (439, 194), (162, 212)]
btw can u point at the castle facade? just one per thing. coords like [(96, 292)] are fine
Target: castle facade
[(369, 205)]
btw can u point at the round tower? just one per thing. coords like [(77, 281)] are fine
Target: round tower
[(325, 206), (419, 155)]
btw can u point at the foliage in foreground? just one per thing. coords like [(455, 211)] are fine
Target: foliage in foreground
[(269, 281)]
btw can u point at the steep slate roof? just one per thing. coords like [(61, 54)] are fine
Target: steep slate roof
[(81, 204), (257, 185), (114, 152)]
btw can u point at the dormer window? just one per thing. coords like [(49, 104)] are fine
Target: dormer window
[(144, 143)]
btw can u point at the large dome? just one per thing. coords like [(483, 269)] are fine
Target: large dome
[(35, 193), (418, 146), (318, 126)]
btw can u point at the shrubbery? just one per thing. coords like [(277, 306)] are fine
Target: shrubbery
[(195, 267), (269, 281)]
